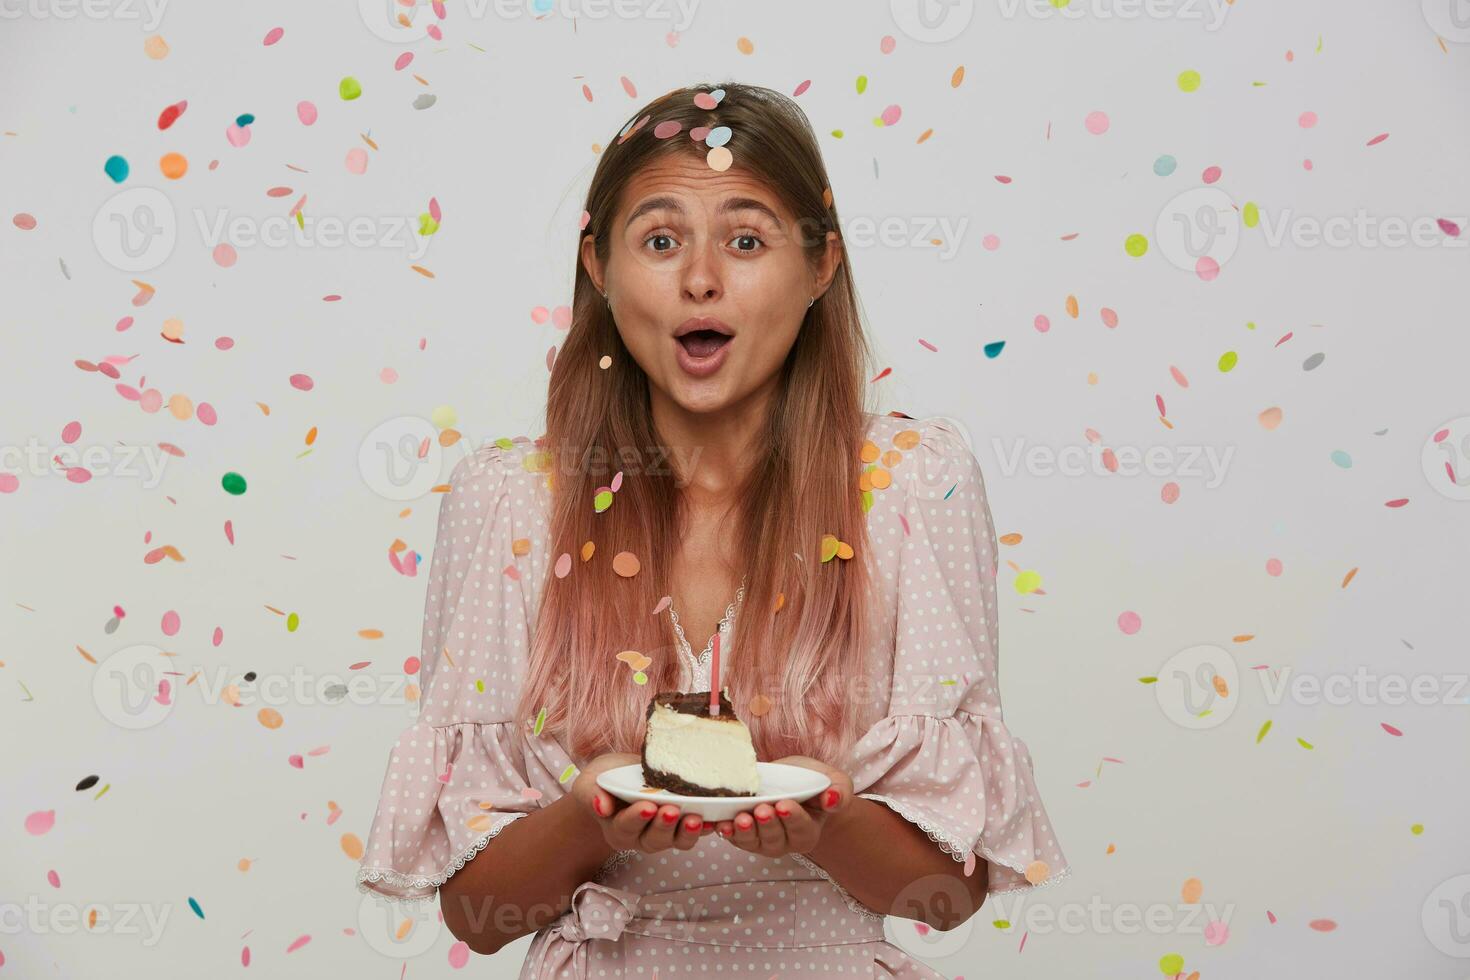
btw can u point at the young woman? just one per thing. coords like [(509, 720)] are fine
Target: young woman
[(736, 456)]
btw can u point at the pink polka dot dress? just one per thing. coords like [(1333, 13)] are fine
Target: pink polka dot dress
[(935, 750)]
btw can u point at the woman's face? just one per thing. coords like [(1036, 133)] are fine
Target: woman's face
[(692, 247)]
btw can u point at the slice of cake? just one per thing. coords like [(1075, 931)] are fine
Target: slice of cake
[(686, 751)]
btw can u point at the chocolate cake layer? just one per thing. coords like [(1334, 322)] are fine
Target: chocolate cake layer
[(691, 703)]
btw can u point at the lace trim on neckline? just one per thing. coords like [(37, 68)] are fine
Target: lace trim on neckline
[(723, 628)]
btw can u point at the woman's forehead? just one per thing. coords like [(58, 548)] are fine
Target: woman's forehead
[(683, 185)]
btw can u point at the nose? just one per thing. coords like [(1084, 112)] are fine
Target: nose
[(701, 277)]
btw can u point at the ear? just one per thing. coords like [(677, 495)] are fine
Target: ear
[(590, 261), (828, 264)]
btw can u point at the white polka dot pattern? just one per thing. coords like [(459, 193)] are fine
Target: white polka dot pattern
[(459, 775), (943, 758), (935, 749)]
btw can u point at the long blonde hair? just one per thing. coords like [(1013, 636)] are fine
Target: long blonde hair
[(806, 658)]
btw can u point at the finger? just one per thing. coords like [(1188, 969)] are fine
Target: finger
[(802, 828), (745, 833), (725, 828), (769, 830), (688, 833), (628, 823), (659, 833), (603, 804)]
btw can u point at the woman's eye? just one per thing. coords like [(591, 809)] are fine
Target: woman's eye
[(743, 243)]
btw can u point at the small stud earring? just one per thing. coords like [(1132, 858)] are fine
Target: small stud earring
[(813, 300)]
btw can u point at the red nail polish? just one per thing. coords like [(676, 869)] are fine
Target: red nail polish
[(693, 823), (670, 816), (647, 812), (762, 819), (597, 804), (726, 831), (832, 797), (783, 811)]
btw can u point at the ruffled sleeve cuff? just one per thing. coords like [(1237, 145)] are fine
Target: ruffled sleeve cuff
[(448, 790), (967, 782)]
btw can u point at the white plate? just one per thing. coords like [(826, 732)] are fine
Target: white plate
[(777, 782)]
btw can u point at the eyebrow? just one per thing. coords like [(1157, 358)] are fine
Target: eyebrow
[(665, 202)]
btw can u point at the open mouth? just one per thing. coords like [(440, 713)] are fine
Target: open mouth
[(703, 343)]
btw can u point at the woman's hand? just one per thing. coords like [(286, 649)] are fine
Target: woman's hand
[(790, 827), (639, 826)]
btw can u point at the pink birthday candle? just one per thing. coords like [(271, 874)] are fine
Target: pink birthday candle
[(714, 678)]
